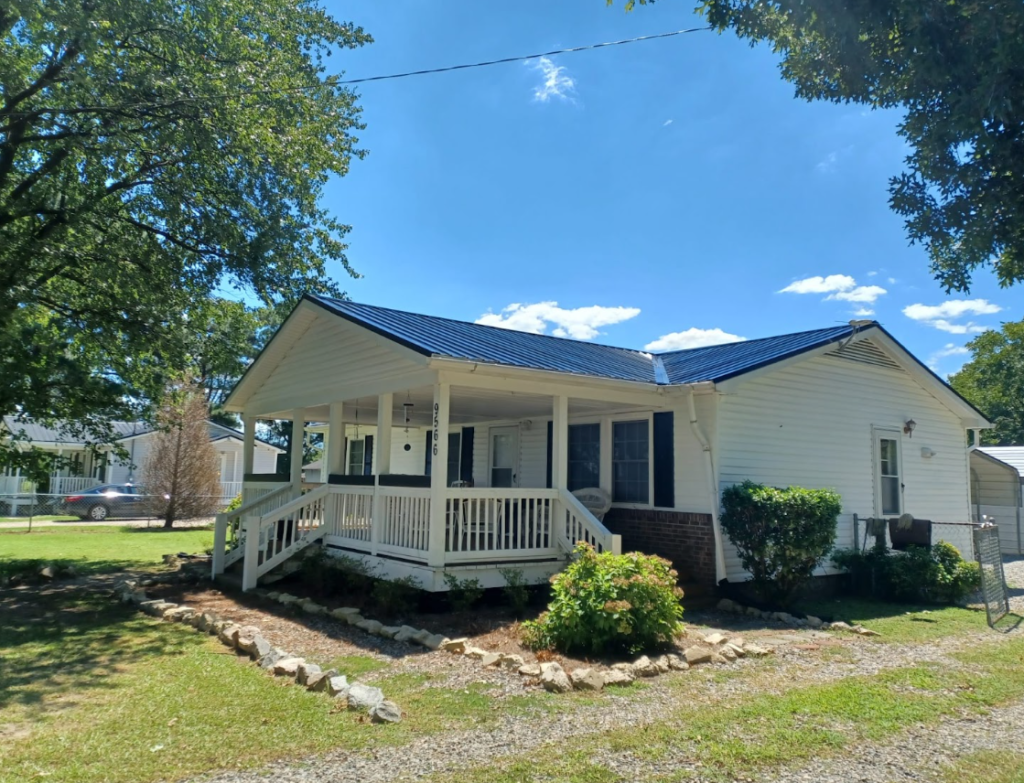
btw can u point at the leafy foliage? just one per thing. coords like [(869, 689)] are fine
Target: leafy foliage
[(993, 380), (605, 603), (937, 573), (956, 70), (395, 597), (463, 594), (781, 535), (181, 472), (516, 590), (151, 154)]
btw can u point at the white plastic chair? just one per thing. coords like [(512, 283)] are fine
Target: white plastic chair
[(596, 500)]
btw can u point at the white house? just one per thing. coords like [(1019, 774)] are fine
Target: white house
[(87, 468), (521, 420)]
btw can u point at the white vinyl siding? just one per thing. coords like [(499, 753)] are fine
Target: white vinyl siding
[(810, 424)]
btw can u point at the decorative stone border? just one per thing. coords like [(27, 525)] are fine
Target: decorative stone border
[(809, 621), (249, 640)]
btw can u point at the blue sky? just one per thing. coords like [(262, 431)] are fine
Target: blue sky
[(671, 189)]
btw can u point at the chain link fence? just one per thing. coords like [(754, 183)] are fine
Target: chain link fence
[(28, 508)]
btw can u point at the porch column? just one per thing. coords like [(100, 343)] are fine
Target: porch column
[(560, 443), (439, 461), (298, 440), (248, 444), (385, 403), (335, 462)]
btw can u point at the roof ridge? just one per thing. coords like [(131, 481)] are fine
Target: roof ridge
[(761, 339)]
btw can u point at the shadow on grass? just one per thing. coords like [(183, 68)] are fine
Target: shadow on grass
[(65, 640)]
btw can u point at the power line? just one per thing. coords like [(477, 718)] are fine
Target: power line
[(521, 58)]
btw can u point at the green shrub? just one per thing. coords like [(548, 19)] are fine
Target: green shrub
[(938, 573), (235, 504), (516, 590), (781, 535), (463, 594), (396, 597), (609, 603)]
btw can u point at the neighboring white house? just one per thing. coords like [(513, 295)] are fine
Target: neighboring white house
[(88, 469), (521, 420), (996, 473)]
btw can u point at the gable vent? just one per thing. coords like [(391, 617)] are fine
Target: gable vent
[(865, 352)]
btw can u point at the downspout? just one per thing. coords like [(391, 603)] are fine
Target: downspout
[(709, 465)]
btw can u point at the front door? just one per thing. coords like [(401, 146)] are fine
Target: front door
[(504, 456)]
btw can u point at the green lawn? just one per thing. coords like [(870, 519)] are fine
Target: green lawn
[(899, 622), (100, 549), (39, 518)]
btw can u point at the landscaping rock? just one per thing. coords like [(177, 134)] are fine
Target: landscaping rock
[(718, 658), (838, 625), (784, 617), (716, 638), (455, 645), (155, 607), (554, 678), (862, 631), (753, 611), (271, 658), (755, 650), (364, 697), (662, 664), (625, 667), (389, 631), (644, 667), (370, 626), (386, 712), (338, 685), (319, 680), (288, 667), (175, 614), (421, 636), (229, 635), (343, 613), (512, 662), (696, 655), (814, 622), (491, 659), (206, 621), (435, 641), (614, 677), (587, 679), (273, 595), (305, 671), (736, 649), (311, 607), (286, 599), (675, 663), (530, 670), (728, 653), (728, 605), (475, 653), (406, 634)]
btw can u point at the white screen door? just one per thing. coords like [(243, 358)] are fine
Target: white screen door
[(888, 474), (504, 456)]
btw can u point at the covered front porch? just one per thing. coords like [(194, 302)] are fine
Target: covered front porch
[(469, 475)]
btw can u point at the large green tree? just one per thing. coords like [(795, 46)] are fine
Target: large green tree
[(994, 381), (152, 153), (956, 70)]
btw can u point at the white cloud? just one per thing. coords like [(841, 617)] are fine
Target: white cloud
[(666, 123), (820, 285), (692, 338), (950, 349), (863, 312), (862, 293), (872, 274), (581, 323), (943, 316), (828, 164), (892, 281), (557, 82), (842, 288)]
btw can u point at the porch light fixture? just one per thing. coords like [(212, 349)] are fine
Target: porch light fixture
[(927, 453), (908, 427), (407, 407)]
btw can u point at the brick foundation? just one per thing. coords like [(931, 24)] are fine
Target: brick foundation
[(686, 539)]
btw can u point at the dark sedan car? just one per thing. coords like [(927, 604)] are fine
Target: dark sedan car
[(109, 500)]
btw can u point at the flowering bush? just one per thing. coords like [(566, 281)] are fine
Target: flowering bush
[(609, 603), (937, 573)]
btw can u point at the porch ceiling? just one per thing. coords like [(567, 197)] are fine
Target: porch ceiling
[(469, 406)]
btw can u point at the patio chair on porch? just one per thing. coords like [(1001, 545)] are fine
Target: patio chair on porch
[(596, 500)]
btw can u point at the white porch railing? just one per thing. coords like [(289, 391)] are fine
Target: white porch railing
[(581, 525), (231, 489), (276, 536), (11, 485), (500, 524), (227, 530), (65, 485)]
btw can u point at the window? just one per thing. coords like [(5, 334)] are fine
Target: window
[(584, 456), (356, 451), (631, 462), (889, 476), (454, 456)]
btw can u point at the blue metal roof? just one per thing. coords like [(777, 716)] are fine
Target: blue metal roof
[(434, 336)]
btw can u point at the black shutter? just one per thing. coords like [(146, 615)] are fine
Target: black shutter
[(368, 456), (547, 473), (428, 454), (664, 460), (466, 458)]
